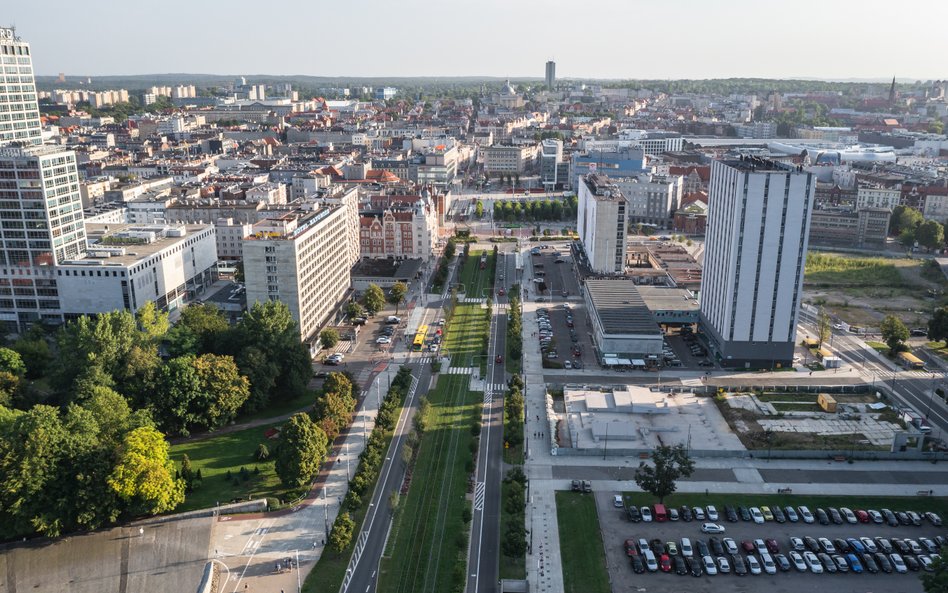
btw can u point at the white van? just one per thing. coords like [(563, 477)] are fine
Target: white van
[(650, 562)]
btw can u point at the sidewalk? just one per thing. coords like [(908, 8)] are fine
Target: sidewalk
[(251, 546)]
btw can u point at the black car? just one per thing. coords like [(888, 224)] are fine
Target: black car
[(686, 514), (890, 518), (884, 545), (575, 487), (903, 518), (869, 563), (822, 517), (694, 566), (842, 546), (702, 548), (779, 517), (681, 567), (835, 517), (744, 513), (911, 562), (657, 546), (638, 565), (633, 511), (716, 546), (901, 546), (811, 544), (883, 562), (782, 563), (730, 513), (738, 565)]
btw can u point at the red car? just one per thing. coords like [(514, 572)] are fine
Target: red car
[(665, 563), (499, 359), (863, 516), (772, 546), (630, 549), (748, 546), (501, 292)]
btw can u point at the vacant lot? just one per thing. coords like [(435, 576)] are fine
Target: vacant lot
[(862, 290), (584, 560)]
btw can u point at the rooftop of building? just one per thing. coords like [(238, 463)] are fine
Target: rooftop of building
[(289, 225), (757, 164), (662, 298), (402, 269), (126, 244), (620, 307), (604, 188)]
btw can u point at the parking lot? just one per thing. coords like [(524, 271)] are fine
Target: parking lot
[(616, 528)]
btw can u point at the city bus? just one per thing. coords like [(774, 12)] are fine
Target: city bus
[(419, 344)]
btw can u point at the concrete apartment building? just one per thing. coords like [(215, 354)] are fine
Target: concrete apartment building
[(878, 197), (301, 259), (18, 88), (550, 75), (758, 229), (554, 171), (866, 228), (651, 198), (601, 221), (508, 160)]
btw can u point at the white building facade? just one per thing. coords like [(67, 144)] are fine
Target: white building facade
[(651, 198), (878, 197), (601, 221), (758, 227)]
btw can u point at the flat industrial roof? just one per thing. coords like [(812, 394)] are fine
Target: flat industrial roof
[(620, 307), (659, 298)]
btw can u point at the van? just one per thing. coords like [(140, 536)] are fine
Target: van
[(660, 513)]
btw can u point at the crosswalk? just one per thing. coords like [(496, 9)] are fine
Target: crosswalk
[(472, 300), (480, 489), (461, 371)]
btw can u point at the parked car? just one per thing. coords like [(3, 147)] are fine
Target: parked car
[(827, 561), (826, 545), (868, 544), (885, 546), (686, 514), (791, 514), (869, 563), (717, 548), (712, 528), (797, 544), (638, 564), (744, 513), (730, 546), (841, 564), (796, 558), (712, 513), (756, 515), (738, 565), (876, 517), (681, 567), (822, 517), (710, 568), (686, 550), (617, 501), (632, 511), (695, 567), (933, 518), (813, 562), (724, 567), (883, 561), (753, 565), (811, 543), (770, 567), (835, 517), (778, 514), (730, 513), (898, 563), (651, 563), (805, 514)]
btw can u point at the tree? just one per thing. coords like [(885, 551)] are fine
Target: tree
[(300, 451), (823, 326), (198, 392), (894, 333), (11, 362), (354, 309), (904, 218), (222, 389), (341, 535), (938, 325), (144, 474), (930, 234), (515, 540), (104, 341), (34, 351), (373, 299), (329, 337), (937, 580), (670, 464), (201, 328), (479, 209), (397, 294), (152, 322)]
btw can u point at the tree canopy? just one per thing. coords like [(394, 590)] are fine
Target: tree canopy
[(373, 299), (301, 450), (894, 333), (668, 465)]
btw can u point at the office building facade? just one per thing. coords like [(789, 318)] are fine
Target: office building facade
[(20, 119), (550, 75), (601, 222), (758, 227)]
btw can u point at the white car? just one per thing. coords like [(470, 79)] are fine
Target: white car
[(757, 516), (617, 501), (730, 546), (709, 566), (646, 514), (827, 545), (806, 515), (797, 560), (897, 563), (797, 544), (813, 562), (698, 512), (686, 550), (712, 513), (753, 565), (870, 545), (849, 515), (712, 528), (650, 562), (724, 567), (769, 566), (383, 340)]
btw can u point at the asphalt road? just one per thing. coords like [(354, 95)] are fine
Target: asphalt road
[(484, 550), (592, 472)]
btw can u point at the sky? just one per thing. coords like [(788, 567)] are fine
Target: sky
[(618, 39)]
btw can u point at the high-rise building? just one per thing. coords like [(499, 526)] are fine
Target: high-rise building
[(601, 223), (18, 89), (550, 75), (758, 226)]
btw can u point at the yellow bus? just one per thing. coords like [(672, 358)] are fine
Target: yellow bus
[(910, 361), (811, 343), (419, 344), (823, 352)]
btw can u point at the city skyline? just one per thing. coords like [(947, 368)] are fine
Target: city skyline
[(832, 41)]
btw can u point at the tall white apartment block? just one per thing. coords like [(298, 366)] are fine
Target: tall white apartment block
[(19, 111), (601, 220), (758, 224), (302, 260)]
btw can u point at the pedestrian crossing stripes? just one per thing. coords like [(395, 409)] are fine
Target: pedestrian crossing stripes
[(472, 300), (461, 370), (479, 490), (488, 398)]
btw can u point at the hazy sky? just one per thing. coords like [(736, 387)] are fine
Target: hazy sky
[(507, 38)]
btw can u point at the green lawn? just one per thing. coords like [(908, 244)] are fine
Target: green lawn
[(895, 503), (584, 559), (827, 269), (429, 536), (217, 455), (303, 402), (880, 347), (464, 338), (474, 279)]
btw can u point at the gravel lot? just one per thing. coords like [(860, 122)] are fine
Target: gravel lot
[(616, 529)]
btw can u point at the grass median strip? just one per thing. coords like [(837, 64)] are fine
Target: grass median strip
[(583, 557), (431, 532)]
